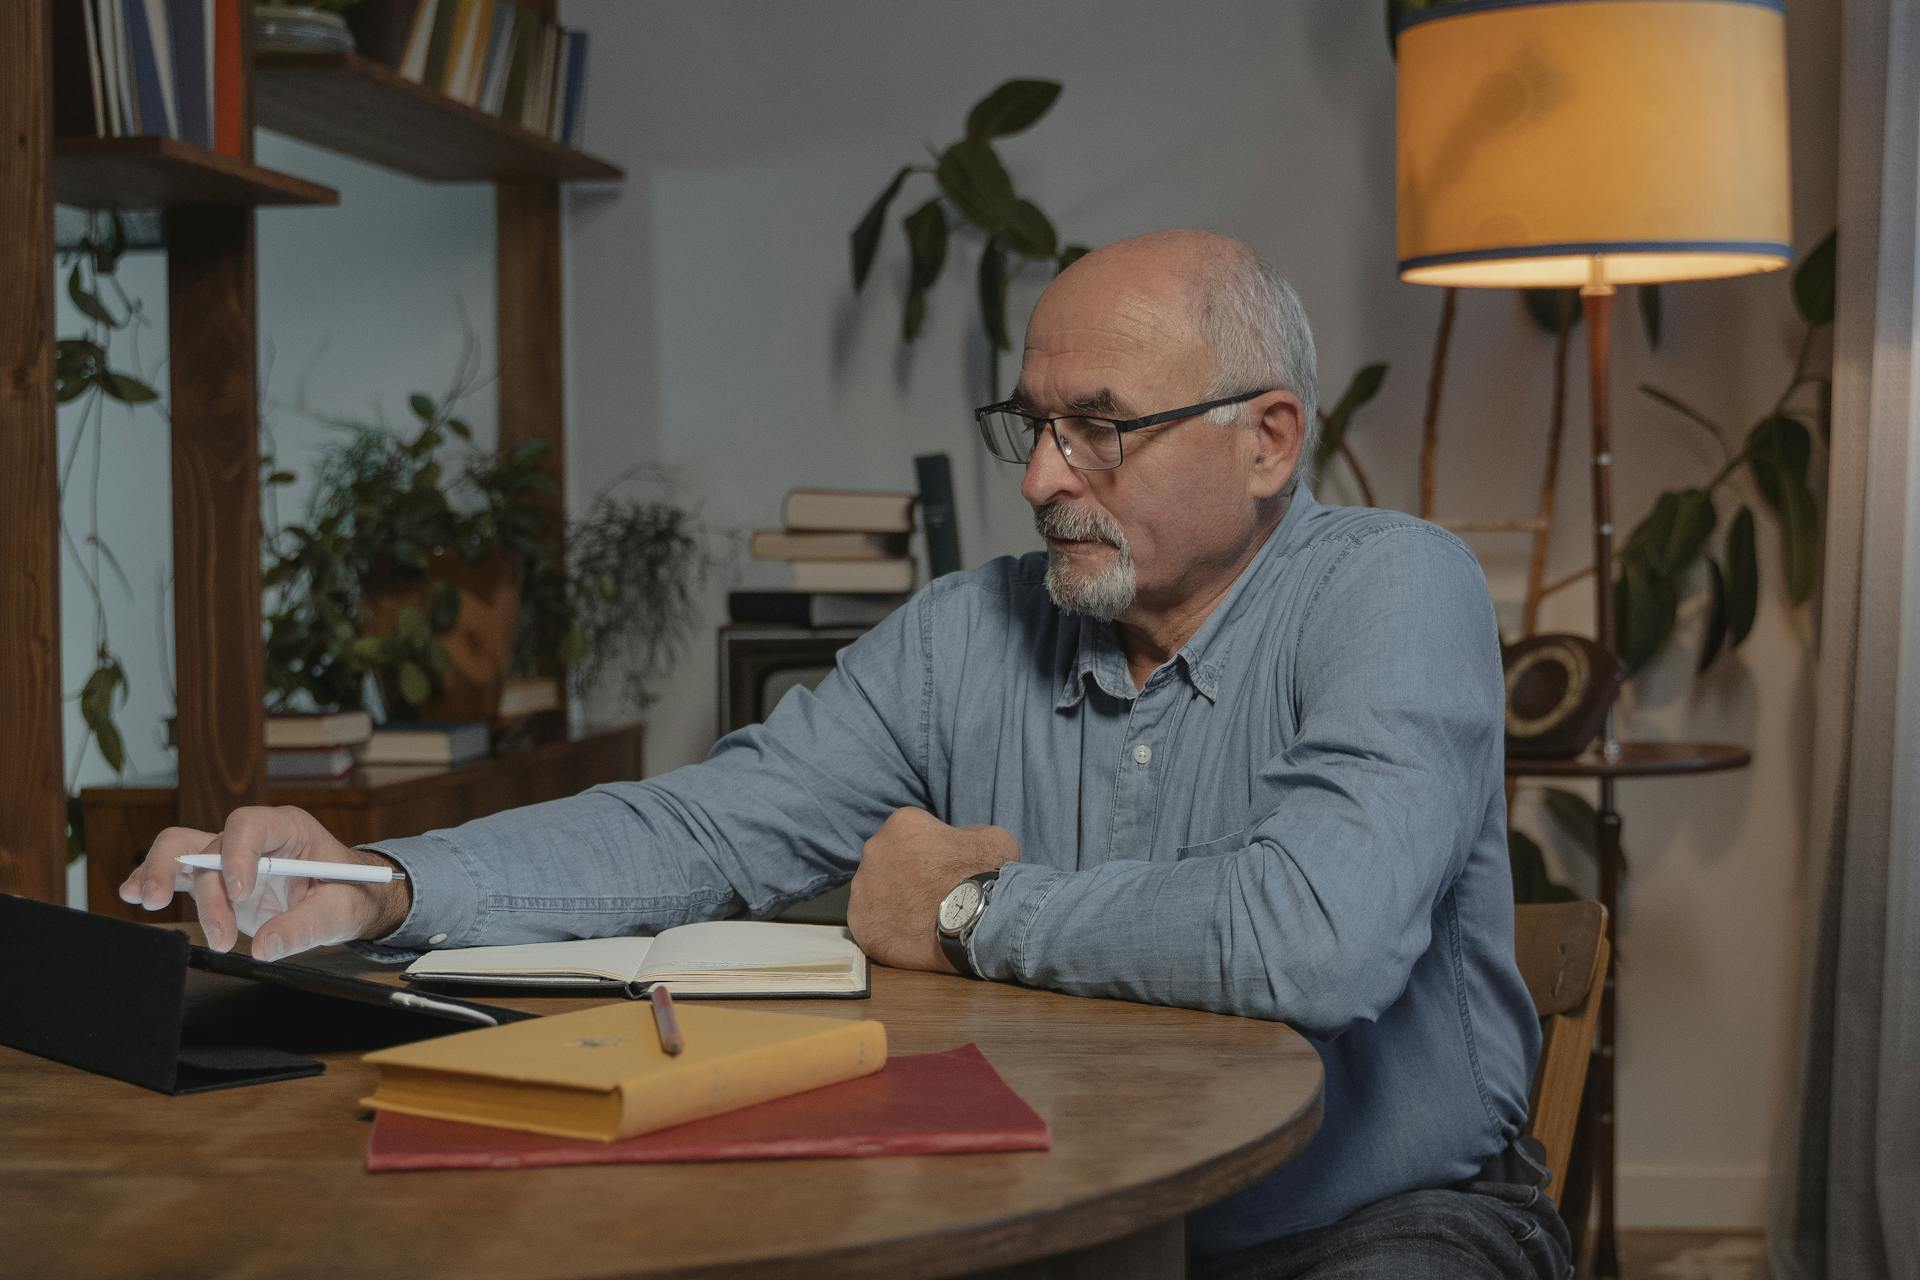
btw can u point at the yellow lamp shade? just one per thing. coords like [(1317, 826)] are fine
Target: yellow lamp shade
[(1554, 143)]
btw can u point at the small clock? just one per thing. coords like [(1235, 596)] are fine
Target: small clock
[(1559, 688)]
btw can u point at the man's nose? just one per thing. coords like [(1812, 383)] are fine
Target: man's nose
[(1048, 475)]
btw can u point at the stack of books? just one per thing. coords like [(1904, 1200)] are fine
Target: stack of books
[(506, 59), (440, 742), (849, 560), (164, 68), (324, 744)]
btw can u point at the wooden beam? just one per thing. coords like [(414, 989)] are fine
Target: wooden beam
[(530, 325), (32, 789), (219, 662)]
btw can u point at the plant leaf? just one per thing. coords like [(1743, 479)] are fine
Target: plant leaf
[(1366, 384), (125, 388), (1778, 448), (1813, 282), (87, 301), (977, 183), (1800, 539), (421, 405), (1529, 867), (866, 236), (414, 685), (1543, 308), (1648, 296), (1743, 577), (1693, 520), (926, 229), (1573, 815), (1012, 107), (1027, 231), (993, 294), (1070, 255), (1716, 633), (1644, 606), (1684, 409)]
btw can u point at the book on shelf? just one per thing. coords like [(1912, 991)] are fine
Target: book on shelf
[(573, 104), (919, 1104), (934, 473), (525, 695), (601, 1074), (427, 742), (285, 763), (165, 68), (812, 608), (787, 544), (853, 576), (413, 63), (433, 71), (318, 729), (381, 29), (755, 959), (848, 510)]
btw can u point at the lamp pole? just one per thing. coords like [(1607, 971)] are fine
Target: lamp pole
[(1596, 297)]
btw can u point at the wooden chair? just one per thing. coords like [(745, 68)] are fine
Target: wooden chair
[(1562, 949)]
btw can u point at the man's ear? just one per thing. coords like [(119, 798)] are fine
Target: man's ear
[(1279, 431)]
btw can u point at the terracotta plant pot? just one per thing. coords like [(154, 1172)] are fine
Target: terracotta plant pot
[(481, 641)]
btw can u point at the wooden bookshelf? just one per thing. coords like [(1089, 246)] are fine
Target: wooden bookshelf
[(162, 173), (348, 104), (336, 101)]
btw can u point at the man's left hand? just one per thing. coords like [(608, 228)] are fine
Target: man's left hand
[(911, 863)]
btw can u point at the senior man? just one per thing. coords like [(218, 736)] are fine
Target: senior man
[(1221, 746)]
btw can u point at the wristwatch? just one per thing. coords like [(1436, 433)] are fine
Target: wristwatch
[(959, 912)]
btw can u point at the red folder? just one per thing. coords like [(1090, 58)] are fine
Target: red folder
[(919, 1104)]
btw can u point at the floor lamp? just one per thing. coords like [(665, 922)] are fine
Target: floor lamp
[(1590, 144)]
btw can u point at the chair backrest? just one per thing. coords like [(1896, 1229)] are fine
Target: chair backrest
[(1562, 950)]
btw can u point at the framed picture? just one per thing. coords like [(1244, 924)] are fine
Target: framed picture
[(760, 662)]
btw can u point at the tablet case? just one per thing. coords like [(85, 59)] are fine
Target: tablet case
[(141, 1003)]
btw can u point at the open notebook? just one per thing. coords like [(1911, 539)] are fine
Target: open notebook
[(746, 959)]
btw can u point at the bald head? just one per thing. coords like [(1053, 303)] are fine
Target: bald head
[(1211, 291)]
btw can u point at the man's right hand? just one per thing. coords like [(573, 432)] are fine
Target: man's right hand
[(319, 912)]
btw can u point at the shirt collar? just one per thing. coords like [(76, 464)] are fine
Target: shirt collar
[(1203, 658)]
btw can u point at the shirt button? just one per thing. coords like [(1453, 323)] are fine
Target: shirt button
[(1142, 753), (436, 939)]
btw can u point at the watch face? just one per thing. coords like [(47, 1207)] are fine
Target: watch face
[(959, 906)]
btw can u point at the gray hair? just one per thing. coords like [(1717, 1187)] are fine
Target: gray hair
[(1253, 322)]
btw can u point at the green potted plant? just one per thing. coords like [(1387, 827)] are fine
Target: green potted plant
[(407, 569)]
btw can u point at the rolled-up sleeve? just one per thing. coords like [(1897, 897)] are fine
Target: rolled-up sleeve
[(1371, 810)]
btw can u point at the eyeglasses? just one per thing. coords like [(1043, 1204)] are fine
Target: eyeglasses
[(1087, 443)]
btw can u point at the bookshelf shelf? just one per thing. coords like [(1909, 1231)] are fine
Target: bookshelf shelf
[(349, 104), (163, 173)]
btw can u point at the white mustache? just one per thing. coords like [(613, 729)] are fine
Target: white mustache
[(1077, 524)]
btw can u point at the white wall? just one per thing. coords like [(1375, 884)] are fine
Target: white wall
[(359, 306), (712, 328)]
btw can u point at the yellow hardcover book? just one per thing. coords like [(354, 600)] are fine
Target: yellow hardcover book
[(600, 1073)]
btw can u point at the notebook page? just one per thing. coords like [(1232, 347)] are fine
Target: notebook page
[(756, 945), (615, 959)]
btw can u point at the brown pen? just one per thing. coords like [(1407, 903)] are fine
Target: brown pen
[(671, 1041)]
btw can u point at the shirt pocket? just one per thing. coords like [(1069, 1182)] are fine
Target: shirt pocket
[(1212, 848)]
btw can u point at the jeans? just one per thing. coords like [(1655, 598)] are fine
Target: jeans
[(1489, 1228)]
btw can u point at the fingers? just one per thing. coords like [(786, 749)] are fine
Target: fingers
[(329, 913), (256, 831), (152, 883), (211, 905)]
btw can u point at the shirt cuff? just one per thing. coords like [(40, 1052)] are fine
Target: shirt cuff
[(445, 907), (998, 944)]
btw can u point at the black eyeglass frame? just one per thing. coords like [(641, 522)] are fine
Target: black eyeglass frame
[(1120, 426)]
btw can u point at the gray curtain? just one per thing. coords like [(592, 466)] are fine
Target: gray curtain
[(1846, 1200)]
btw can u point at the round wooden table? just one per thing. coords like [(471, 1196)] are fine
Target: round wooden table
[(1155, 1112)]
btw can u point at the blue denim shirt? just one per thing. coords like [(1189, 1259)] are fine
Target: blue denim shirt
[(1300, 817)]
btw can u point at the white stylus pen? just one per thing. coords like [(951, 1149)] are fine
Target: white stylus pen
[(354, 871)]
